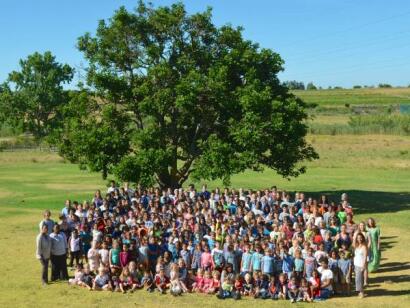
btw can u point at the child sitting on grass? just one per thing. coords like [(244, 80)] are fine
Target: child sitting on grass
[(161, 282), (102, 281), (227, 288), (87, 278), (78, 276)]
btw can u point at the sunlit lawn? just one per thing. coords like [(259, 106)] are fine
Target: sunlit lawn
[(374, 170)]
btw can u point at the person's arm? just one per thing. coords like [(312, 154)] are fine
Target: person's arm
[(38, 248), (354, 240), (212, 262), (65, 241), (349, 273), (109, 257), (378, 239), (326, 283), (365, 256)]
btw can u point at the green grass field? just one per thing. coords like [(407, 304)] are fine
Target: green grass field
[(373, 169), (364, 96)]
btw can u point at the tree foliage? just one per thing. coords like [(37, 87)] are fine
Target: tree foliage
[(311, 86), (294, 85), (33, 96), (175, 96)]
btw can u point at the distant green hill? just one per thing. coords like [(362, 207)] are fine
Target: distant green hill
[(366, 96)]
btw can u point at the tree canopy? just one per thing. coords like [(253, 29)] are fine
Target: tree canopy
[(174, 96), (34, 95)]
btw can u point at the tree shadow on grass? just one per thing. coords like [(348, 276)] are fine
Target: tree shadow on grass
[(385, 245), (368, 202), (393, 279), (393, 267), (389, 267), (385, 292)]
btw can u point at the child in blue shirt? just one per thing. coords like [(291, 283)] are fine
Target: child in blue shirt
[(288, 264), (246, 261), (268, 263), (257, 259)]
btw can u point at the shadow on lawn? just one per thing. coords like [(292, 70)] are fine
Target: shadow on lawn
[(393, 267), (387, 244), (367, 202), (389, 267), (385, 292)]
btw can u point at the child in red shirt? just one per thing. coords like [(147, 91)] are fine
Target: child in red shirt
[(161, 281)]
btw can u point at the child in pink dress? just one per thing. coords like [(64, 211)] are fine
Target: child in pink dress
[(199, 281), (207, 282), (207, 262), (216, 283)]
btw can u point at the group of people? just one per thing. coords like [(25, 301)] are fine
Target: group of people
[(230, 243)]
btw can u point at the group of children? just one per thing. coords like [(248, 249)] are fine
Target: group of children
[(232, 244)]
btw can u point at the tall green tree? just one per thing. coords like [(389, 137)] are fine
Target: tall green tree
[(34, 94), (198, 100)]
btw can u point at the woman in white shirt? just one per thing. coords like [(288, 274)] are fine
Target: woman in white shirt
[(360, 262)]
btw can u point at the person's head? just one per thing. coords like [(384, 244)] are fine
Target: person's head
[(208, 274), (216, 275), (125, 271), (298, 254), (174, 267), (345, 255), (334, 254), (56, 229), (101, 270), (371, 223), (303, 282), (181, 263), (47, 214), (248, 277), (362, 226), (200, 273), (44, 229), (315, 273), (229, 268), (132, 266), (324, 262), (360, 240), (282, 278), (86, 268)]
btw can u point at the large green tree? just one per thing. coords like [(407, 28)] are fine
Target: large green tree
[(34, 95), (175, 96)]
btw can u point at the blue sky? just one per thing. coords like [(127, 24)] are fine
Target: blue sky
[(329, 42)]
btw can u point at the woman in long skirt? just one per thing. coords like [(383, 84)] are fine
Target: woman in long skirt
[(373, 245), (360, 262)]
